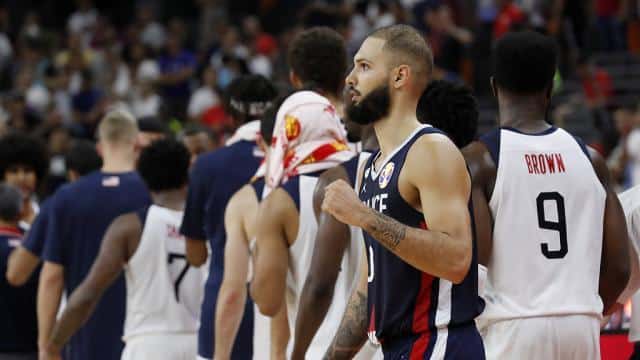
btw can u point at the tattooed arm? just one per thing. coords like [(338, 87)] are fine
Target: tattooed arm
[(433, 174), (352, 333)]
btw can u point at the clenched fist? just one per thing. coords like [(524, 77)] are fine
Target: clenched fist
[(341, 201)]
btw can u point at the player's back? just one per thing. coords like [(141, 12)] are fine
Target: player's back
[(301, 189), (227, 170), (19, 326), (548, 208), (164, 293), (79, 217)]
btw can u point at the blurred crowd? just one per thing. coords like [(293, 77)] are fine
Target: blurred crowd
[(63, 63)]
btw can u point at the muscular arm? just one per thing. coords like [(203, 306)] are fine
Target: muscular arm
[(21, 265), (352, 332), (50, 290), (483, 173), (435, 169), (332, 239), (614, 266), (233, 291), (118, 244), (277, 228)]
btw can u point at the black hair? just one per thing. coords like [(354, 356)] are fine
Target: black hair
[(195, 129), (248, 96), (451, 108), (153, 124), (10, 203), (318, 56), (24, 150), (83, 157), (525, 62), (268, 121), (164, 165)]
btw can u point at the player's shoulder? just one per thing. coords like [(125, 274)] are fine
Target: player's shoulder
[(433, 146)]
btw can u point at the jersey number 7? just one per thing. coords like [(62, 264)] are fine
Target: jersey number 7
[(176, 284), (560, 226)]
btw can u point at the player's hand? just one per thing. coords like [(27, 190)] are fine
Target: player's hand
[(341, 201)]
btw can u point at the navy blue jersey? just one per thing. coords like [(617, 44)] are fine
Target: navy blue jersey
[(403, 302), (351, 167), (215, 177), (19, 325), (80, 214), (34, 240)]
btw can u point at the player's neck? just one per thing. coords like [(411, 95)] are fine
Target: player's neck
[(171, 199), (369, 140), (394, 129), (118, 163), (526, 114)]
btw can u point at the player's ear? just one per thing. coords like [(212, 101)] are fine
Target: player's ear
[(492, 83), (400, 76), (295, 80)]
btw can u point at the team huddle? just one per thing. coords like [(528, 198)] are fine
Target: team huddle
[(356, 217)]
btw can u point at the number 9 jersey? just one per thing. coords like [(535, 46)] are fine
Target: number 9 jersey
[(548, 209), (164, 293)]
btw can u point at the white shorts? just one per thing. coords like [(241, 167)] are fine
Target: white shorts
[(550, 338), (161, 346)]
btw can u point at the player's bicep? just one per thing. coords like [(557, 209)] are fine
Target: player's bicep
[(439, 173)]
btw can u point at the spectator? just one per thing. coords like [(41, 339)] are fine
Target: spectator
[(205, 97), (145, 100), (152, 33), (83, 20), (87, 106), (177, 66), (151, 129), (608, 20), (596, 83), (509, 16), (198, 140), (448, 41)]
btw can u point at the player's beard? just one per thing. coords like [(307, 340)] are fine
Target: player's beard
[(373, 107)]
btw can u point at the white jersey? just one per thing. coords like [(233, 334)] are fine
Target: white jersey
[(630, 201), (164, 293), (300, 256), (548, 209)]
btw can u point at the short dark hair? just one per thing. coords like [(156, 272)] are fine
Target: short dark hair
[(195, 129), (318, 56), (83, 157), (406, 45), (248, 96), (25, 150), (525, 62), (153, 124), (451, 108), (10, 203), (268, 121), (164, 165)]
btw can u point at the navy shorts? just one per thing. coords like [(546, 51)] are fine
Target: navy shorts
[(460, 343)]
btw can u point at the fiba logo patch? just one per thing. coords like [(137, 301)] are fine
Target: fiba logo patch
[(385, 175)]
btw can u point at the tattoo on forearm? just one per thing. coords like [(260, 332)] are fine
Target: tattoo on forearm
[(352, 333), (386, 230)]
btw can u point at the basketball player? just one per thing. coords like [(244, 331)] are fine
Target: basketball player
[(414, 208), (548, 223), (630, 201), (24, 164), (214, 178), (199, 140), (81, 160), (78, 218), (19, 325), (163, 291), (269, 337)]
